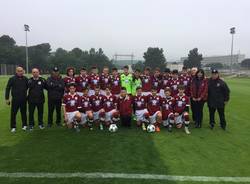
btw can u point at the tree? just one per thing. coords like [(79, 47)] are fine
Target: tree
[(154, 57), (245, 63), (139, 65), (194, 59), (214, 65)]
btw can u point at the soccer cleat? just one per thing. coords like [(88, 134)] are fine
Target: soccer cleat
[(101, 126), (143, 127), (187, 130), (31, 128), (41, 127), (91, 128), (169, 128), (13, 130), (24, 128), (157, 128)]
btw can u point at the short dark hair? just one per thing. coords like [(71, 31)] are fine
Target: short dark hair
[(147, 69), (125, 67), (123, 88), (175, 71), (71, 84), (181, 86), (114, 69), (138, 88)]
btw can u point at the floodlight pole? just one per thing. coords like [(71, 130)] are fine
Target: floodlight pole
[(232, 32), (26, 48)]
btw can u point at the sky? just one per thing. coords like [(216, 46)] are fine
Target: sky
[(131, 26)]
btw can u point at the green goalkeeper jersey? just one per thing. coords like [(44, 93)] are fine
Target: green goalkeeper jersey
[(135, 84), (126, 82)]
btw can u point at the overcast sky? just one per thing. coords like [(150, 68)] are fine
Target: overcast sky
[(130, 26)]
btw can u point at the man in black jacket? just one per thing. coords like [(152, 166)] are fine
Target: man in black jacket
[(18, 85), (218, 97), (55, 86), (36, 85)]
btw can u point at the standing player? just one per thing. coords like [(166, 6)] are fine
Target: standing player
[(181, 109), (140, 106), (156, 79), (166, 78), (70, 78), (146, 82), (185, 80), (104, 80), (136, 81), (167, 105), (85, 108), (70, 105), (94, 80), (115, 82), (126, 80), (82, 81), (110, 107), (97, 101), (174, 82), (154, 109)]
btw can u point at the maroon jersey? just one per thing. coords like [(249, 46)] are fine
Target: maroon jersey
[(140, 102), (181, 102), (125, 105), (174, 86), (104, 81), (97, 102), (165, 81), (115, 82), (94, 80), (186, 80), (154, 104), (85, 104), (156, 83), (81, 82), (71, 102), (167, 106), (146, 81), (110, 103), (67, 80), (199, 88)]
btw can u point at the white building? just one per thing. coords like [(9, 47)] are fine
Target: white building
[(174, 65)]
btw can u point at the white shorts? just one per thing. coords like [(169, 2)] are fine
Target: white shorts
[(146, 93), (152, 118), (162, 93), (168, 120), (84, 118), (70, 116), (108, 115), (103, 92), (91, 92), (96, 115), (139, 114), (179, 119), (79, 93)]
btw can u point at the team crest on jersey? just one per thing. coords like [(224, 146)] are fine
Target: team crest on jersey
[(154, 102), (97, 102)]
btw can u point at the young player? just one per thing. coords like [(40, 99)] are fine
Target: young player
[(70, 78), (94, 80), (110, 107), (125, 107), (85, 108), (166, 78), (126, 79), (82, 81), (174, 82), (167, 107), (180, 109), (140, 106), (70, 106), (185, 80), (146, 82), (154, 109), (97, 101), (156, 79), (136, 81), (115, 82), (104, 80)]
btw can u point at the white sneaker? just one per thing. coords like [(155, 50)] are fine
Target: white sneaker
[(13, 130), (41, 127), (187, 130), (101, 127), (24, 128)]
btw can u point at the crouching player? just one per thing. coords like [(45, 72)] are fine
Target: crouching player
[(154, 109), (110, 107), (85, 109), (140, 106), (97, 101), (181, 109), (70, 106), (167, 105)]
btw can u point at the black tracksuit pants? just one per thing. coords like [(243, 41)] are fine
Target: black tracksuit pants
[(15, 106), (221, 112), (54, 105), (197, 111), (32, 107)]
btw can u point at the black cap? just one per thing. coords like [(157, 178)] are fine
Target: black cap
[(214, 71), (55, 69)]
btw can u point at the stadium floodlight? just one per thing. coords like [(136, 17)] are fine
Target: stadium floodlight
[(26, 29), (232, 32)]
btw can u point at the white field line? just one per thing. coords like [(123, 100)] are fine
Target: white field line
[(123, 176)]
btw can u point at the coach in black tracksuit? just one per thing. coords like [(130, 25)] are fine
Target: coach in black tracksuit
[(55, 86), (18, 85), (36, 85), (218, 96)]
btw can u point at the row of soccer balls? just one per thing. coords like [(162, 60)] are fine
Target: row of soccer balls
[(114, 128)]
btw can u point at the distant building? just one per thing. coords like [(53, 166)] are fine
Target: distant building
[(174, 65), (225, 60)]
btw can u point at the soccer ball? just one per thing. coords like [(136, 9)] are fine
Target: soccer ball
[(151, 128), (113, 128)]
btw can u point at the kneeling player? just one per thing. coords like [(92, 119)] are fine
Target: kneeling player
[(140, 106), (97, 101), (70, 105), (85, 109), (110, 107), (167, 105), (180, 109), (154, 109)]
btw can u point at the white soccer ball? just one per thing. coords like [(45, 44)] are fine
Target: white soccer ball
[(113, 128), (151, 128)]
